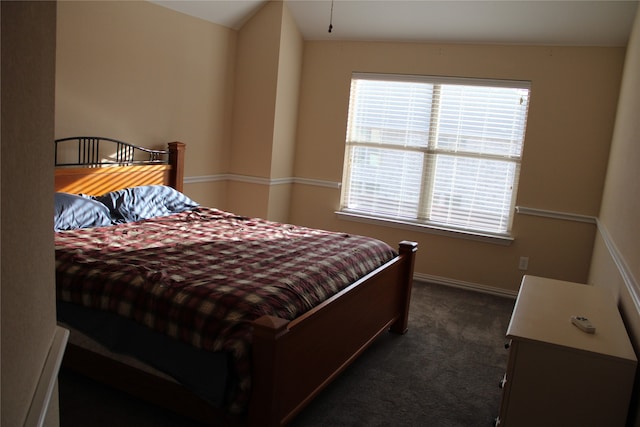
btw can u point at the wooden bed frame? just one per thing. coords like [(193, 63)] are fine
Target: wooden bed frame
[(292, 361)]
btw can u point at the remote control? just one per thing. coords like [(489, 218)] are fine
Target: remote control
[(583, 323)]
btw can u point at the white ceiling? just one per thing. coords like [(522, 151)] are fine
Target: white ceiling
[(545, 22)]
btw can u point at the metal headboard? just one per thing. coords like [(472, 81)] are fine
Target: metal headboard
[(100, 151)]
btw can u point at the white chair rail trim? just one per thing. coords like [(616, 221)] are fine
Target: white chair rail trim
[(628, 278), (260, 180), (523, 210), (625, 272)]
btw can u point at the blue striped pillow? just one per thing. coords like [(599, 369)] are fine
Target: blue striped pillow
[(144, 202), (72, 211)]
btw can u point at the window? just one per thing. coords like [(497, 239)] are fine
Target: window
[(442, 152)]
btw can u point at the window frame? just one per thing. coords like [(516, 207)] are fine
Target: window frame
[(430, 153)]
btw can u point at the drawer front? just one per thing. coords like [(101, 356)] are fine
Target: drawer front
[(545, 385)]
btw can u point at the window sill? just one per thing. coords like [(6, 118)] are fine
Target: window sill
[(498, 239)]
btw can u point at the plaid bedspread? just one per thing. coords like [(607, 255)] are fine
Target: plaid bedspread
[(203, 276)]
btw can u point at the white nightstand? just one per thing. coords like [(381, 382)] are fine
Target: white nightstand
[(558, 375)]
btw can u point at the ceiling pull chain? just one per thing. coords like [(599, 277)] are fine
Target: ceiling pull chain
[(331, 18)]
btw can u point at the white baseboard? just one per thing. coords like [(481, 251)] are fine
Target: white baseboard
[(428, 278), (48, 377)]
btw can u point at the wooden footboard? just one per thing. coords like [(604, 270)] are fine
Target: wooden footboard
[(293, 361)]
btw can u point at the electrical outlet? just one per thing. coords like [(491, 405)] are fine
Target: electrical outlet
[(524, 263)]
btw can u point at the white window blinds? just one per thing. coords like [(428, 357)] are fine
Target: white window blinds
[(438, 151)]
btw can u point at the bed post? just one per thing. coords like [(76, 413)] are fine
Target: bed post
[(264, 410), (293, 361), (176, 161), (408, 252)]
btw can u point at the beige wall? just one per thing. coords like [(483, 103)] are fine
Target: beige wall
[(573, 101), (28, 289), (288, 92), (233, 97), (616, 256), (268, 67), (257, 60), (145, 74), (286, 117)]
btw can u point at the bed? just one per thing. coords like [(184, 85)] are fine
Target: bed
[(309, 309)]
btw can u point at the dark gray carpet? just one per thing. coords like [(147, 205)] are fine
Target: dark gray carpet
[(444, 372)]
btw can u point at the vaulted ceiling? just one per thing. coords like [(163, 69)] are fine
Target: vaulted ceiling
[(543, 22)]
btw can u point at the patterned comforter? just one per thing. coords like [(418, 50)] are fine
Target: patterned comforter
[(203, 276)]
